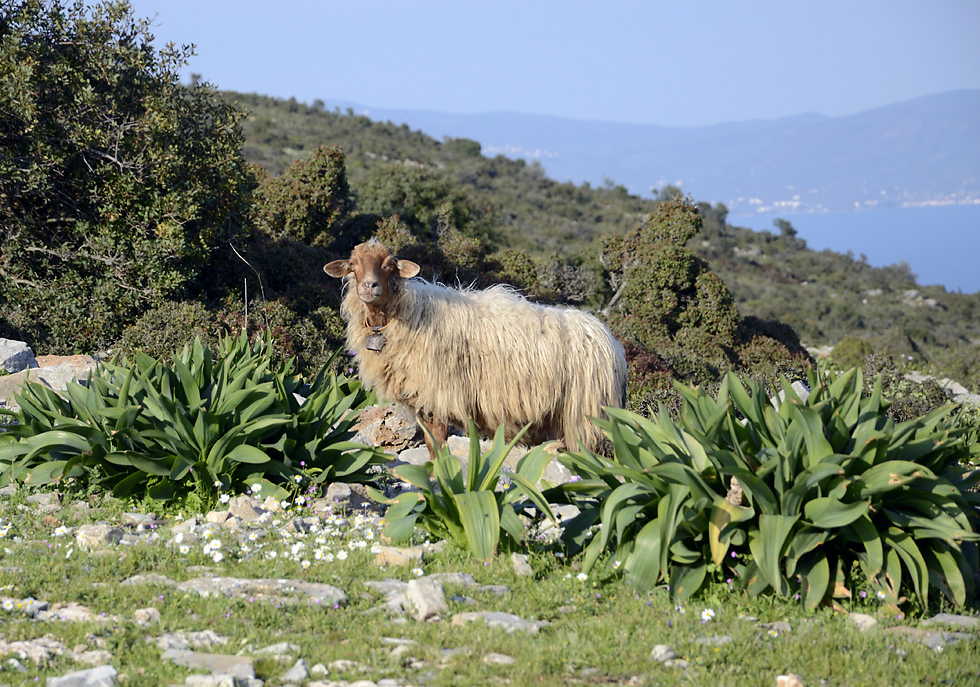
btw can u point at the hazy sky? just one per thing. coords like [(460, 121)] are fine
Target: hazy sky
[(655, 62)]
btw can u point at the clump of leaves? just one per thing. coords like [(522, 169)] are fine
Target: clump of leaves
[(812, 497), (143, 428), (468, 508)]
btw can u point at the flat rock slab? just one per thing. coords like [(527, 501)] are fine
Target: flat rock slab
[(506, 621), (222, 664), (280, 590), (103, 676)]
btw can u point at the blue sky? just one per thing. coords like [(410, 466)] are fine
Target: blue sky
[(667, 63)]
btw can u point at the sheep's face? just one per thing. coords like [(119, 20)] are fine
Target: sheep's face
[(372, 265)]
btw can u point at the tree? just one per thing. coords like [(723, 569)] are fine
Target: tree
[(119, 187)]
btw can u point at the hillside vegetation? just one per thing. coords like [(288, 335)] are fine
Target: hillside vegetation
[(825, 296)]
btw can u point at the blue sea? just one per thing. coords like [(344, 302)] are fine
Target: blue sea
[(941, 244)]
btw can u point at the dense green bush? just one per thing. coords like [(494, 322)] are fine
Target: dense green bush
[(226, 421), (821, 498), (120, 189), (851, 352)]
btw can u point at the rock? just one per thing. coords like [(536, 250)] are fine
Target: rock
[(282, 650), (103, 676), (789, 680), (298, 673), (509, 622), (662, 653), (389, 427), (246, 508), (283, 590), (521, 567), (862, 621), (338, 492), (146, 616), (206, 639), (499, 659), (714, 640), (16, 666), (934, 639), (99, 657), (237, 666), (57, 377), (81, 365), (49, 499), (40, 651), (97, 536), (428, 597), (394, 555), (15, 356), (148, 578), (953, 620)]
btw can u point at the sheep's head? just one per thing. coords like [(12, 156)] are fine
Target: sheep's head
[(373, 266)]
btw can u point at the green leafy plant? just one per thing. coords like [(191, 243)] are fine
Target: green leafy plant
[(816, 497), (149, 429), (467, 507)]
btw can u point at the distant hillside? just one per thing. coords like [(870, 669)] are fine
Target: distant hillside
[(922, 151), (824, 295)]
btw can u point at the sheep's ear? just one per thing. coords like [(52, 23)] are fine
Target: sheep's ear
[(337, 268), (408, 269)]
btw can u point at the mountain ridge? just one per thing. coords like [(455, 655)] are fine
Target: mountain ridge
[(916, 152)]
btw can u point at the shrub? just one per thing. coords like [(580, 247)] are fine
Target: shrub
[(209, 421), (120, 188), (164, 330), (819, 498), (851, 352)]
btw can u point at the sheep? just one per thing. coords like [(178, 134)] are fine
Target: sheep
[(451, 355)]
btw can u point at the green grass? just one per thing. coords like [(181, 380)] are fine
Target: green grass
[(598, 633)]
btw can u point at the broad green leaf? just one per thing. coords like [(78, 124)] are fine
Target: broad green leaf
[(828, 512), (480, 517), (767, 548), (814, 572), (686, 580)]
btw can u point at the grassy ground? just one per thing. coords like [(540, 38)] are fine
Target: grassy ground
[(598, 633)]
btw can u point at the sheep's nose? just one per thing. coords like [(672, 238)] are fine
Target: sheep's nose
[(370, 285)]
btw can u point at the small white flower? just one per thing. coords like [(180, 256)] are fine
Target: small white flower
[(225, 498), (297, 478), (179, 538), (707, 614), (305, 564), (376, 549), (8, 605), (581, 577), (185, 549), (284, 504), (880, 595), (217, 484), (417, 572), (70, 551), (341, 555), (217, 556), (252, 536), (617, 565), (256, 488), (207, 534), (216, 544), (245, 548), (680, 609), (60, 531)]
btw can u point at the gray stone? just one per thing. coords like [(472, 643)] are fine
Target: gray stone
[(97, 536), (508, 622), (714, 640), (499, 659), (662, 653), (57, 377), (223, 664), (280, 650), (521, 566), (428, 597), (16, 666), (205, 639), (15, 356), (338, 492), (148, 578), (952, 620), (283, 590), (45, 499), (392, 428), (862, 621), (298, 673), (102, 676), (246, 508)]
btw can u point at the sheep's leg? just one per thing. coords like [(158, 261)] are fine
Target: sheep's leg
[(436, 434)]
